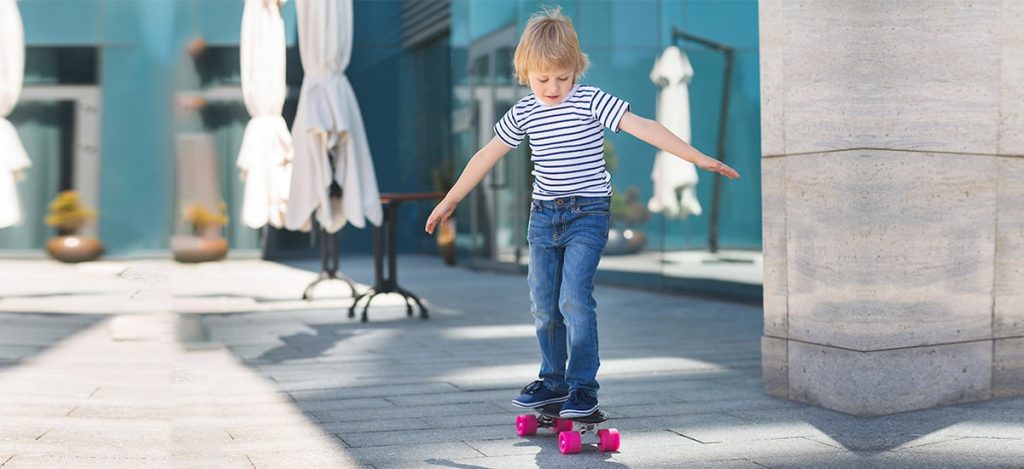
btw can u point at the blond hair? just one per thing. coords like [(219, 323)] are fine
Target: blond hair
[(549, 43)]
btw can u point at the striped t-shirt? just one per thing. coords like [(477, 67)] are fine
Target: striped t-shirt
[(566, 140)]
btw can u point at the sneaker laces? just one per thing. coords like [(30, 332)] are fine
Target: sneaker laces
[(533, 387), (583, 397)]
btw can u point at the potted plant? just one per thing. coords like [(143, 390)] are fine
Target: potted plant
[(443, 177), (628, 212), (69, 215), (206, 243)]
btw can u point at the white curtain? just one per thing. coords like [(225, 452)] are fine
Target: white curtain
[(265, 156), (329, 127), (13, 159), (675, 179)]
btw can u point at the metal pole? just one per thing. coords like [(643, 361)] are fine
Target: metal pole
[(722, 126), (723, 119)]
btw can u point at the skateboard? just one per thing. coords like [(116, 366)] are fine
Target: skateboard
[(569, 440)]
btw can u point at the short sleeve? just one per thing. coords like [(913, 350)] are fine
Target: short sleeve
[(608, 109), (508, 130)]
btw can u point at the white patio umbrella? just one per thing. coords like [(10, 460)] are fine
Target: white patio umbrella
[(13, 159), (675, 180), (328, 126), (266, 153)]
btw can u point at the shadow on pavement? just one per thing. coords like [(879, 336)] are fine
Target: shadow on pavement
[(25, 335), (680, 377)]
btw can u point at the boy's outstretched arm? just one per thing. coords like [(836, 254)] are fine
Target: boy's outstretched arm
[(476, 169), (656, 134)]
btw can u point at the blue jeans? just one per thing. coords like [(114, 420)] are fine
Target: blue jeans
[(566, 239)]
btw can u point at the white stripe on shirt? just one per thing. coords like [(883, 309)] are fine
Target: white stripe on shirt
[(566, 140)]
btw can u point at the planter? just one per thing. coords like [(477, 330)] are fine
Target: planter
[(192, 249), (74, 248), (446, 241), (625, 241)]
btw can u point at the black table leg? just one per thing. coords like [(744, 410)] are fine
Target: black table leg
[(328, 265), (386, 282)]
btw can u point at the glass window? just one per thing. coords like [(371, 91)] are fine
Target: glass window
[(61, 66), (481, 70), (45, 129), (503, 69)]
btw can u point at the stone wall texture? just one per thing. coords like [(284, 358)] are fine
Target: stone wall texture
[(893, 201)]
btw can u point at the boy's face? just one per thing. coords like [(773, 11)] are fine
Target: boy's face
[(552, 86)]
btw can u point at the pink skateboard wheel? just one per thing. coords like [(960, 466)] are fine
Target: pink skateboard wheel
[(569, 442), (526, 425), (561, 425), (608, 440)]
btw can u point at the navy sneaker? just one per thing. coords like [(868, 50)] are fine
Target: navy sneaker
[(537, 395), (579, 404)]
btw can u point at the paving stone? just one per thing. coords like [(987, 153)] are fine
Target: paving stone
[(888, 461), (978, 448), (10, 432), (230, 462), (40, 410), (378, 425), (412, 455), (443, 421), (465, 397), (406, 412), (323, 390), (84, 450), (310, 388), (432, 435), (38, 462)]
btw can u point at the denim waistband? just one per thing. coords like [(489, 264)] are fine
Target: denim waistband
[(570, 201)]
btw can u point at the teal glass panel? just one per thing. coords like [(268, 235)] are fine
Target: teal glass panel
[(504, 71), (219, 22), (219, 66), (45, 129), (137, 157), (226, 121), (65, 22), (61, 66)]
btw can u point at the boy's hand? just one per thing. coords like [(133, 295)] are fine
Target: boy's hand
[(715, 166), (440, 215)]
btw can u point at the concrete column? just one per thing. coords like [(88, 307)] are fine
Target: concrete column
[(893, 192)]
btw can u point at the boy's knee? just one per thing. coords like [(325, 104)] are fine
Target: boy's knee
[(575, 307)]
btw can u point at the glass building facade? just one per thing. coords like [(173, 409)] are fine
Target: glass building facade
[(100, 113), (623, 38)]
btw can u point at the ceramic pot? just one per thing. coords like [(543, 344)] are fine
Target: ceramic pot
[(446, 241), (192, 249), (625, 241), (74, 248)]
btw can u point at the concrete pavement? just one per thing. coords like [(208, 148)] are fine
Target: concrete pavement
[(156, 364)]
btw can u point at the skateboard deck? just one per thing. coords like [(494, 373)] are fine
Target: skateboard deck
[(551, 411), (570, 440)]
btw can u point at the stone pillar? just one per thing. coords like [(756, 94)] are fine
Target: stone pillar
[(893, 192)]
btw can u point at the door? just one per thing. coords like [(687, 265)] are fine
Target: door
[(501, 203)]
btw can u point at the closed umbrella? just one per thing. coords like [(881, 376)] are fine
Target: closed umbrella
[(13, 159), (330, 142), (675, 180), (265, 156)]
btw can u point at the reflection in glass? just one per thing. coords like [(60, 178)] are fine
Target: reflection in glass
[(46, 131)]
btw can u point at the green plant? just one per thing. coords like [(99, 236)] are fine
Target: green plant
[(68, 214), (203, 219), (443, 176), (626, 208)]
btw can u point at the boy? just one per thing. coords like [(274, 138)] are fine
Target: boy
[(570, 211)]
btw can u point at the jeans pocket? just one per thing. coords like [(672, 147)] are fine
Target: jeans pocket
[(596, 208)]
